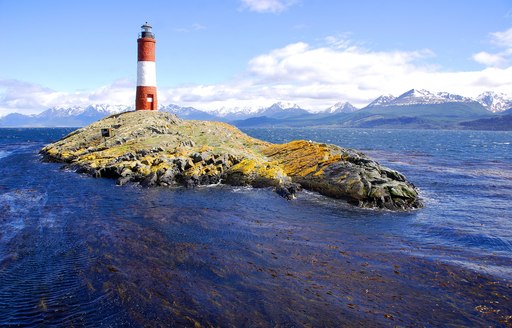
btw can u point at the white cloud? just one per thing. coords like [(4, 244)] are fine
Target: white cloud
[(29, 98), (489, 59), (502, 58), (315, 77), (503, 39), (267, 6)]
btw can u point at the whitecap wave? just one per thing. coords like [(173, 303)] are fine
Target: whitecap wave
[(4, 153), (241, 189)]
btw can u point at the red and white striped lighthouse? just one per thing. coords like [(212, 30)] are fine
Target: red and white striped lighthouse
[(145, 98)]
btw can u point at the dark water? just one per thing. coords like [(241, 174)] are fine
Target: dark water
[(78, 251)]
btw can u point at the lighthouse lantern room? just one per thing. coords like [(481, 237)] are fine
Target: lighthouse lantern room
[(146, 98)]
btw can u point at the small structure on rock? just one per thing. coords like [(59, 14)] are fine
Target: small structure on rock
[(145, 98), (106, 132)]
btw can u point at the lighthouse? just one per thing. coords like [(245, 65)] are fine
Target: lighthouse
[(145, 98)]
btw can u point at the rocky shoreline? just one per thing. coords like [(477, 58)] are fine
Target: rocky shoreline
[(159, 149)]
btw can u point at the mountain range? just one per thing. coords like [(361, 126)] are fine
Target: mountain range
[(413, 109)]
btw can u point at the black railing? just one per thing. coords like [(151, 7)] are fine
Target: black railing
[(147, 35)]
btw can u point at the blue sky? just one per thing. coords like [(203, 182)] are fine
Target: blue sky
[(237, 53)]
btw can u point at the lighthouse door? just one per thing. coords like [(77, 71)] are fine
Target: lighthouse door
[(151, 102)]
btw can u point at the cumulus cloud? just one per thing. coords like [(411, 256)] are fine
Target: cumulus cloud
[(317, 77), (502, 58), (314, 77), (267, 6), (489, 59)]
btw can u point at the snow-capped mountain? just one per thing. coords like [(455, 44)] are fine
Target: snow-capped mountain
[(277, 109), (285, 105), (280, 107), (280, 110), (450, 97), (188, 113), (62, 111), (98, 111), (441, 109), (235, 111), (419, 97), (91, 110), (73, 116), (382, 101), (341, 107), (495, 102)]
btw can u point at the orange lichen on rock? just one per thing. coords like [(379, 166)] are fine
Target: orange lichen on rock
[(300, 157)]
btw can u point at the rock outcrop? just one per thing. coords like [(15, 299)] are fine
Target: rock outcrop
[(159, 149)]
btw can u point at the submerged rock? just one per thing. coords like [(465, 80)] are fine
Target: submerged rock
[(159, 149)]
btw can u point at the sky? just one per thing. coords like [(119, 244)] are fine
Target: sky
[(251, 53)]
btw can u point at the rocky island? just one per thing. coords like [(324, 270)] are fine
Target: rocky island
[(159, 149)]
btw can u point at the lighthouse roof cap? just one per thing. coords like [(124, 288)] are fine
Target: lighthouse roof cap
[(146, 25)]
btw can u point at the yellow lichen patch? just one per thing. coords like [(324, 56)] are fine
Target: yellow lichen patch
[(50, 150), (65, 156), (97, 163), (301, 158), (120, 150), (271, 171), (320, 173), (88, 157), (326, 163), (305, 170), (161, 166), (246, 166), (197, 169), (204, 148), (144, 170), (260, 169), (147, 160), (184, 151)]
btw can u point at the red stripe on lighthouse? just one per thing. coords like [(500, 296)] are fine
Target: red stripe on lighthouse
[(146, 98), (146, 49)]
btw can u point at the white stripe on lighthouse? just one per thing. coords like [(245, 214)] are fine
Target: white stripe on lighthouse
[(146, 74)]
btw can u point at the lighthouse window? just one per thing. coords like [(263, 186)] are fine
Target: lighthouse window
[(150, 99)]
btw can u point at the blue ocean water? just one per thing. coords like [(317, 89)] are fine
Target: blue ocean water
[(79, 251), (465, 178)]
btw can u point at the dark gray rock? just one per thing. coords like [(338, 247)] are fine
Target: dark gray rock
[(288, 191)]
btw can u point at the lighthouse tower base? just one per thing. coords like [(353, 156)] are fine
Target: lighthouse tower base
[(145, 99)]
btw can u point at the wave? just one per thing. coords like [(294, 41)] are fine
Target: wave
[(4, 153), (10, 149), (494, 270), (242, 189)]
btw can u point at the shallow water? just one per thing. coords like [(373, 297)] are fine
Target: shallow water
[(81, 251)]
